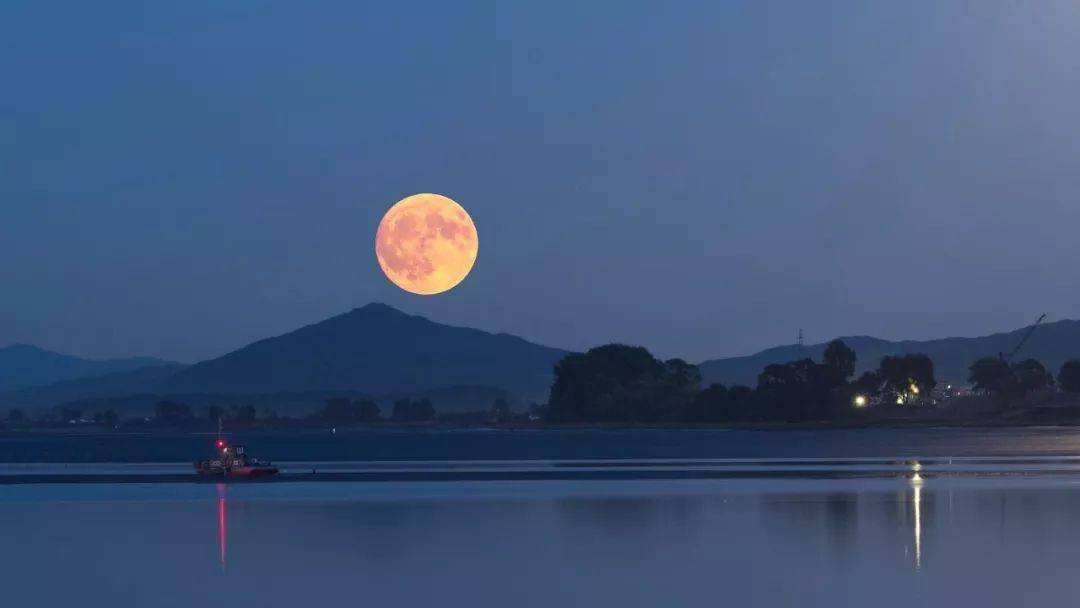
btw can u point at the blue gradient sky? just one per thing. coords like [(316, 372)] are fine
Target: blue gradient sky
[(703, 178)]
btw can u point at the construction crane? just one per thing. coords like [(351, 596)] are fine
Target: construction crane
[(1008, 358)]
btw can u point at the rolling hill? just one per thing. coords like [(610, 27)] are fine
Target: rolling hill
[(376, 349), (381, 352), (144, 380), (1052, 344), (23, 366)]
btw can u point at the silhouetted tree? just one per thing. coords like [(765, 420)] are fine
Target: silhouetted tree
[(406, 410), (796, 390), (992, 375), (342, 411), (402, 410), (1031, 375), (107, 418), (16, 417), (213, 414), (717, 403), (995, 376), (742, 396), (337, 410), (619, 383), (907, 375), (869, 383), (682, 376), (243, 415), (423, 409), (172, 413), (668, 397), (1068, 377), (369, 410), (840, 360), (709, 405), (603, 384)]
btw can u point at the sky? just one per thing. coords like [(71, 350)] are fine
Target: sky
[(702, 178)]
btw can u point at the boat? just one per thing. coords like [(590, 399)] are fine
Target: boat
[(233, 462)]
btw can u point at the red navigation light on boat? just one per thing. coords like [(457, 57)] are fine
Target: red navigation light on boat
[(220, 443)]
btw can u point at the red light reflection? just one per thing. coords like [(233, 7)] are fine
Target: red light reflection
[(221, 523)]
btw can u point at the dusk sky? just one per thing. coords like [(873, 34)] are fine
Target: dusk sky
[(702, 178)]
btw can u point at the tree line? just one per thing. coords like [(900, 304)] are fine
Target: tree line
[(337, 411), (617, 383)]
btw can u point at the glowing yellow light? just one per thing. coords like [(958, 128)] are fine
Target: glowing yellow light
[(899, 400), (914, 388), (860, 400)]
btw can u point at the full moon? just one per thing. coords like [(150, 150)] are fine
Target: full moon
[(426, 244)]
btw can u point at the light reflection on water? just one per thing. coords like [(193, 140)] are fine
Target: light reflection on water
[(916, 505), (686, 543), (222, 513)]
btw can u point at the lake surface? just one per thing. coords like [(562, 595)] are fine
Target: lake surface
[(983, 525), (487, 444)]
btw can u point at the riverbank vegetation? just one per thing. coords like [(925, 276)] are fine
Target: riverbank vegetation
[(626, 384), (617, 384)]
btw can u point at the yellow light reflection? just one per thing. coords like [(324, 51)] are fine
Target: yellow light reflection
[(916, 503)]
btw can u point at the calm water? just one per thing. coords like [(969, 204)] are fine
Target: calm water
[(990, 528), (546, 444)]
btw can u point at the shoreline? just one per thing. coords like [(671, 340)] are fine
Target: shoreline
[(592, 426)]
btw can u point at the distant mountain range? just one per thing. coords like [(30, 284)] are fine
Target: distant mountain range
[(1051, 343), (142, 381), (22, 366), (375, 350), (381, 352)]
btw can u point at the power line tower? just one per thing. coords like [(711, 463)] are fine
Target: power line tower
[(799, 341)]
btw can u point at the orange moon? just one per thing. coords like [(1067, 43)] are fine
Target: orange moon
[(426, 244)]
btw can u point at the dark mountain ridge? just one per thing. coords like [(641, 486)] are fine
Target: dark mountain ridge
[(1051, 343), (382, 352), (138, 381), (23, 366), (376, 349)]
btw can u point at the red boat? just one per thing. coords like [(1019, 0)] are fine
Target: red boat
[(233, 462)]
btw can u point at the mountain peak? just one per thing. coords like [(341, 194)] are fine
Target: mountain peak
[(376, 349), (380, 309), (377, 306)]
